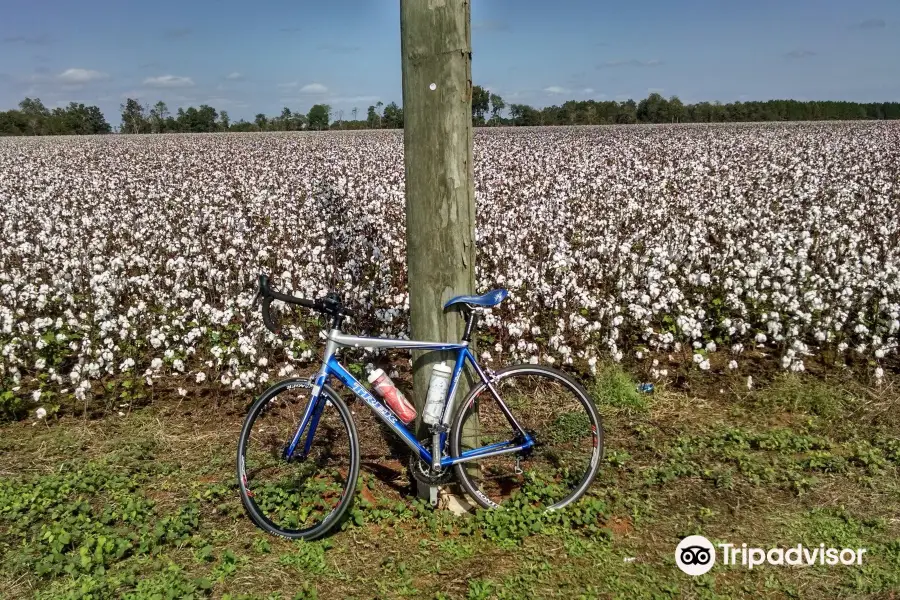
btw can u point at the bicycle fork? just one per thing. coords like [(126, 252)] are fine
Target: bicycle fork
[(314, 409)]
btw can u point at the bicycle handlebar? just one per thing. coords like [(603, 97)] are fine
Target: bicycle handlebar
[(330, 305)]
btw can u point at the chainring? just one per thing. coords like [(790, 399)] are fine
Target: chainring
[(421, 471)]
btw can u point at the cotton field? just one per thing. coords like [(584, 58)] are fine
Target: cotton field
[(137, 255)]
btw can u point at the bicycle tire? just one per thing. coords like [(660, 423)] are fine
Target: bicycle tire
[(511, 371), (333, 518)]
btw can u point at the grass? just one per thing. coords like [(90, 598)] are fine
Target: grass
[(144, 506)]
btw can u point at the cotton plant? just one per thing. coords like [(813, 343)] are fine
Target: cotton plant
[(137, 256)]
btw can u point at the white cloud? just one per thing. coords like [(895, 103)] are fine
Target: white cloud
[(314, 88), (80, 76), (555, 89), (234, 76), (169, 81), (353, 99), (587, 91)]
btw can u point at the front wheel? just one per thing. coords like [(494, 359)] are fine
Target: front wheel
[(304, 497), (557, 412)]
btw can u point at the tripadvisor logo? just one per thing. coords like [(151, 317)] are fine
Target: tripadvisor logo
[(696, 555)]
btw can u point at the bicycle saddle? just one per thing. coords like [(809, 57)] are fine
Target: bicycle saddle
[(491, 298)]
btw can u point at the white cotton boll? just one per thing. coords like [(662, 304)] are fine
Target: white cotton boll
[(178, 365), (156, 363), (262, 362), (201, 377), (711, 347), (698, 358), (733, 365), (704, 365), (879, 373), (36, 396), (182, 392), (40, 413), (226, 380)]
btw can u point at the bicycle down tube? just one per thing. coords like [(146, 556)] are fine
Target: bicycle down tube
[(331, 367)]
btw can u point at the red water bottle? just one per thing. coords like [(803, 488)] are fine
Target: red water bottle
[(393, 397)]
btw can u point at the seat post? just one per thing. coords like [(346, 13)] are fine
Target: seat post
[(471, 317)]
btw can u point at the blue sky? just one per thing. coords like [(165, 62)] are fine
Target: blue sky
[(261, 56)]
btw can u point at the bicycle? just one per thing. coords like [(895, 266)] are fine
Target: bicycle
[(309, 504)]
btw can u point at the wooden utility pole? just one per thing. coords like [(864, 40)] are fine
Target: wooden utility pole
[(436, 48)]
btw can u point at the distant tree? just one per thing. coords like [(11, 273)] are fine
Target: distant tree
[(354, 112), (224, 121), (676, 109), (318, 116), (244, 126), (480, 103), (35, 114), (134, 119), (393, 116), (654, 109), (372, 118), (13, 122), (260, 121), (207, 116), (158, 115), (497, 106), (285, 121)]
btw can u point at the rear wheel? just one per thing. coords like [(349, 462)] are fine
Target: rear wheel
[(301, 498), (557, 413)]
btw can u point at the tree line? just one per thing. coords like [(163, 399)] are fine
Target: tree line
[(32, 118)]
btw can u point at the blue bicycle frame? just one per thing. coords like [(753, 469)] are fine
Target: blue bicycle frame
[(332, 368)]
